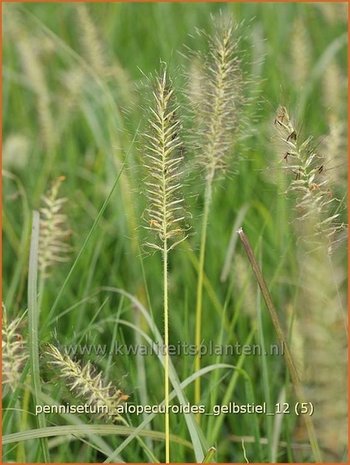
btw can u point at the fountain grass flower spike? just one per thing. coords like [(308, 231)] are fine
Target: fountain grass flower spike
[(165, 214), (217, 113)]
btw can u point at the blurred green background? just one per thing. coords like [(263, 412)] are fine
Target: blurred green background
[(74, 98)]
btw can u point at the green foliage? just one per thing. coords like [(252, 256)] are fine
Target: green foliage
[(77, 111)]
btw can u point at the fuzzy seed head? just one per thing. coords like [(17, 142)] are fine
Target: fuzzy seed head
[(335, 145), (14, 353), (85, 382), (220, 97), (301, 52), (91, 42), (323, 322), (53, 230), (316, 206), (165, 214)]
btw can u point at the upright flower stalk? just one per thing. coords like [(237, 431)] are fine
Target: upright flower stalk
[(217, 113), (165, 213)]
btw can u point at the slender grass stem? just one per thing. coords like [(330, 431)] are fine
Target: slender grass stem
[(199, 301), (166, 352), (264, 371), (283, 340)]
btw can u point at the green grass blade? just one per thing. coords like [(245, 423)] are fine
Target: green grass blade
[(78, 430), (33, 323)]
